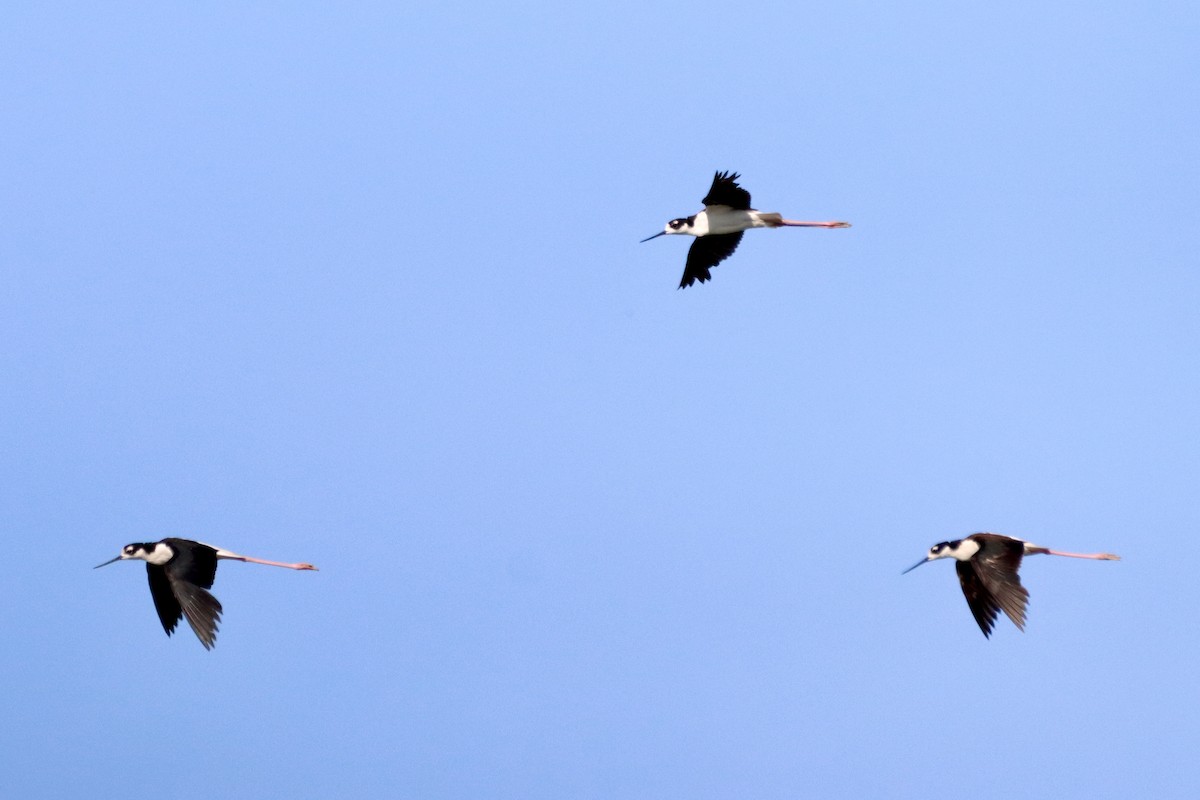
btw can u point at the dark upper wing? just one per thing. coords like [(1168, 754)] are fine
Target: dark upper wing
[(983, 606), (996, 563), (726, 192), (706, 252), (165, 603), (188, 575), (193, 562), (202, 610)]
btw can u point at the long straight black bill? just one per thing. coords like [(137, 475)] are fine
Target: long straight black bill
[(106, 563), (655, 236), (914, 566)]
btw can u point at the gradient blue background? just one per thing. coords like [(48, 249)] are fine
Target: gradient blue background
[(360, 284)]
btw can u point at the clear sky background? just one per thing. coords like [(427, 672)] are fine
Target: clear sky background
[(360, 284)]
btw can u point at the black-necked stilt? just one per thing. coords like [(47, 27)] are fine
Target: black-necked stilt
[(180, 571), (718, 228), (987, 565)]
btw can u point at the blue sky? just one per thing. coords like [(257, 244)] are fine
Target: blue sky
[(360, 284)]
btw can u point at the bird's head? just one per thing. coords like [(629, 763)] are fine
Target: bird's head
[(150, 552), (939, 550), (681, 225)]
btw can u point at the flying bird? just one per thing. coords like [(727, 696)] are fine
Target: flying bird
[(987, 565), (718, 227), (181, 571)]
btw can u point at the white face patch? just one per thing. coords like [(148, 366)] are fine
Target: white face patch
[(966, 549), (158, 555)]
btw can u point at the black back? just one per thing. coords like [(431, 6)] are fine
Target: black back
[(726, 192), (990, 581), (178, 588), (705, 253), (194, 562)]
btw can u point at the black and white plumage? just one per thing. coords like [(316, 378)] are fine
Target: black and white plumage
[(719, 226), (181, 572), (987, 565)]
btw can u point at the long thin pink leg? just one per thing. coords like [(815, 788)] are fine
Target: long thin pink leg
[(797, 224), (236, 557), (1097, 556)]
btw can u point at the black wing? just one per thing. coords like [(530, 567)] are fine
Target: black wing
[(188, 575), (996, 564), (705, 253), (983, 606), (202, 610), (165, 603), (726, 192)]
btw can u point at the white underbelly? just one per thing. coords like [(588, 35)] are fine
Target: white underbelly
[(728, 221)]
